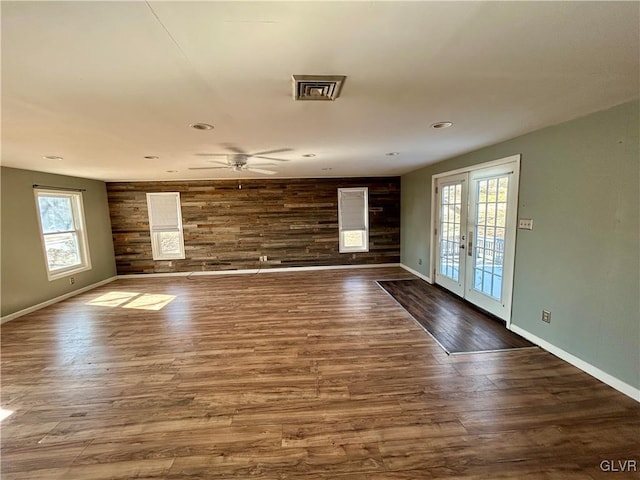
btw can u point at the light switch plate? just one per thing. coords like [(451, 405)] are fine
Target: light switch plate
[(525, 223)]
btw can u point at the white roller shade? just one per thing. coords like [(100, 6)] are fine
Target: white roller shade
[(164, 211), (353, 209)]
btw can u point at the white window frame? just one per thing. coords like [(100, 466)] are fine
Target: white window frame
[(79, 231), (155, 231), (365, 246)]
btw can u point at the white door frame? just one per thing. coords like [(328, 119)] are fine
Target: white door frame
[(434, 214)]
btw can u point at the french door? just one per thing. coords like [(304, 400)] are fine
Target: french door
[(475, 225), (452, 194)]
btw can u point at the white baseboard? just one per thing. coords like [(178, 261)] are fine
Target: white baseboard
[(586, 367), (416, 273), (257, 270), (33, 308)]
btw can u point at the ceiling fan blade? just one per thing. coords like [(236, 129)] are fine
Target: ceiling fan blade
[(211, 154), (205, 168), (267, 152), (260, 170), (261, 164), (270, 158), (231, 147)]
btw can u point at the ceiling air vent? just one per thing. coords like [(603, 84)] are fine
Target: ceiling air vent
[(317, 87)]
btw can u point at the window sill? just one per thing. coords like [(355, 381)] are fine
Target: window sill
[(67, 273)]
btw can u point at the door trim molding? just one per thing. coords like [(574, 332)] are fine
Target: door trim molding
[(434, 204), (479, 166)]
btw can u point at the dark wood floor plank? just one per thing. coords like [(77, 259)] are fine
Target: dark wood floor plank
[(456, 325), (296, 375)]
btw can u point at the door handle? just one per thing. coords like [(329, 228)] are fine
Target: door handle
[(470, 249)]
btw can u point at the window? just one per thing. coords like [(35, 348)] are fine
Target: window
[(62, 229), (353, 219), (165, 225)]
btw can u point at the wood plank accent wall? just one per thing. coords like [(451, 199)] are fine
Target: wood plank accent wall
[(292, 221)]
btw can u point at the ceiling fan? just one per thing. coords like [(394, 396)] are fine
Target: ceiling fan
[(237, 161)]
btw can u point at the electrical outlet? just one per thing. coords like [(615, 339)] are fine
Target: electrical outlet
[(263, 258), (546, 316), (419, 261), (525, 224), (72, 280)]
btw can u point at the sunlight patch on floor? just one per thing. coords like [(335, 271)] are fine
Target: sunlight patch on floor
[(113, 299), (4, 413), (150, 301)]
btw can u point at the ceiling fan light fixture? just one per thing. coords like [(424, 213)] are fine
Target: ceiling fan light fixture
[(237, 161), (53, 157)]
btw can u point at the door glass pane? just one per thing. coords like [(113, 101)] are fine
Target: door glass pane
[(450, 215), (489, 231)]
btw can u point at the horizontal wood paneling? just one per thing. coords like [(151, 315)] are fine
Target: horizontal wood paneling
[(294, 222)]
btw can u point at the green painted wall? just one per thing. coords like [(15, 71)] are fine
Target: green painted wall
[(24, 276), (580, 183)]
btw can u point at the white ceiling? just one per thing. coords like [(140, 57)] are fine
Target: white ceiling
[(103, 84)]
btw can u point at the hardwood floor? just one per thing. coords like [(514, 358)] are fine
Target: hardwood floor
[(309, 375), (456, 325)]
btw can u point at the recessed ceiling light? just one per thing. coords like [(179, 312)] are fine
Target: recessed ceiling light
[(442, 125), (309, 155), (327, 169), (201, 126), (172, 171), (392, 154), (52, 157), (151, 157)]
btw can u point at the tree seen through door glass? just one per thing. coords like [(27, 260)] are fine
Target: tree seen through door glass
[(450, 229), (490, 226)]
